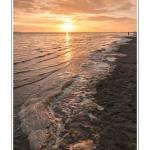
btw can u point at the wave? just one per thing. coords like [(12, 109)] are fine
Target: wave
[(32, 58), (48, 54), (40, 56), (37, 78), (62, 119), (50, 66), (25, 69)]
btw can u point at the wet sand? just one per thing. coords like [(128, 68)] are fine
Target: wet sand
[(117, 94)]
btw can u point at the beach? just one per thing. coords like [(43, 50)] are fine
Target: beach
[(75, 91), (118, 95), (74, 75)]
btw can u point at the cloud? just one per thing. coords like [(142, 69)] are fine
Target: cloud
[(72, 6), (81, 12), (108, 18)]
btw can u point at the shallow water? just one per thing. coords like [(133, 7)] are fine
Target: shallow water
[(54, 82)]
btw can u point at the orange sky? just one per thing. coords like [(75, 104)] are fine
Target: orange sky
[(81, 15)]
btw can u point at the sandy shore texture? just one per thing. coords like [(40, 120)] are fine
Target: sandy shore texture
[(118, 95)]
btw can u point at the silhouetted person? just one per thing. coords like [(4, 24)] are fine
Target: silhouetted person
[(128, 33)]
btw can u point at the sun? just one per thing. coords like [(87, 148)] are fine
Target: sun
[(67, 27)]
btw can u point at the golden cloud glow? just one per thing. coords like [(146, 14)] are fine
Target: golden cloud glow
[(74, 16)]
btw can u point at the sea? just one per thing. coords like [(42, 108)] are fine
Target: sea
[(54, 78)]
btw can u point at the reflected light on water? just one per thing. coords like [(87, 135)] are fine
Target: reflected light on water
[(68, 50), (67, 39)]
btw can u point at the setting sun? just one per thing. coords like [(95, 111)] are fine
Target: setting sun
[(67, 27)]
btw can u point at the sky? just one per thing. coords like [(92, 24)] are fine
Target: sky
[(75, 15)]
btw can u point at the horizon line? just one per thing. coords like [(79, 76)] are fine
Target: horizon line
[(73, 32)]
